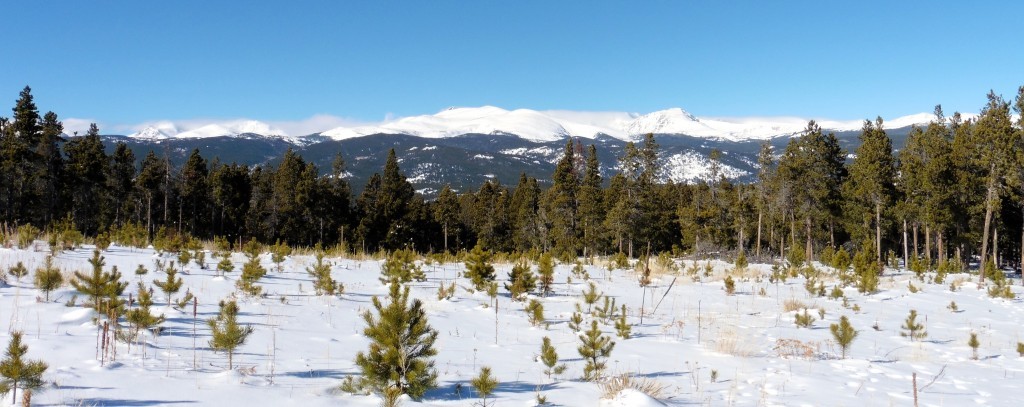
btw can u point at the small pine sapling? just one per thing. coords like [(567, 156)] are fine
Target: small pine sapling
[(323, 283), (595, 348), (952, 306), (576, 320), (200, 258), (401, 345), (445, 292), (911, 328), (521, 281), (478, 267), (836, 293), (804, 320), (141, 271), (184, 257), (535, 312), (141, 318), (48, 277), (252, 271), (549, 357), (98, 284), (741, 261), (974, 343), (15, 371), (18, 271), (278, 252), (730, 285), (844, 334), (226, 334), (225, 265), (171, 285), (401, 265), (1020, 349), (546, 273), (591, 296), (621, 326), (484, 383)]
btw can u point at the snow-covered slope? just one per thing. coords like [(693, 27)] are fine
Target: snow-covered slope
[(165, 129), (554, 125), (532, 125)]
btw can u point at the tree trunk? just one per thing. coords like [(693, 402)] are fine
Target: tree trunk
[(989, 204), (940, 246), (928, 243), (917, 255), (878, 231), (757, 250), (1022, 253), (906, 259), (446, 237), (810, 248), (995, 246)]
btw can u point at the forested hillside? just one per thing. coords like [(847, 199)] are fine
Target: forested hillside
[(954, 192)]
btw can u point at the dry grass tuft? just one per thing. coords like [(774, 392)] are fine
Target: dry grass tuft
[(611, 386), (795, 348), (729, 342), (792, 305)]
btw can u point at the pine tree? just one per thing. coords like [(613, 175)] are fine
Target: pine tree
[(226, 334), (48, 277), (595, 348), (141, 318), (520, 281), (16, 371), (479, 268), (591, 205), (622, 327), (225, 265), (278, 252), (870, 188), (252, 271), (561, 202), (549, 357), (401, 265), (18, 270), (535, 312), (87, 169), (484, 384), (843, 333), (323, 283), (446, 213), (546, 273), (171, 285), (401, 345), (99, 284), (912, 329), (524, 214), (995, 138), (974, 343)]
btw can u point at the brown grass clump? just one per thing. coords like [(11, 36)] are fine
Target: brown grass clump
[(611, 386), (792, 305)]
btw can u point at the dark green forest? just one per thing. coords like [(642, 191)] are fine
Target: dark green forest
[(953, 194)]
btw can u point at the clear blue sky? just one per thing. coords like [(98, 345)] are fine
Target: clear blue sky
[(128, 62)]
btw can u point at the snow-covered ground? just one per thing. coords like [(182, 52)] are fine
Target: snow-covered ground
[(691, 331)]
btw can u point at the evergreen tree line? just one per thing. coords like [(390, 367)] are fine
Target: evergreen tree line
[(954, 192)]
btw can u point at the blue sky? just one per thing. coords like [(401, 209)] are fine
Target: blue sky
[(128, 62)]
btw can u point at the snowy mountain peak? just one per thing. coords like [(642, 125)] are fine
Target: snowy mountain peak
[(165, 129)]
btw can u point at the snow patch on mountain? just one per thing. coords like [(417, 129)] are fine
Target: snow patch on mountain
[(692, 166), (165, 129)]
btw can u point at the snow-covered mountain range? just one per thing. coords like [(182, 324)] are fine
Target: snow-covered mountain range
[(532, 125)]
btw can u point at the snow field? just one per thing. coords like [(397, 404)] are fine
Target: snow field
[(304, 345)]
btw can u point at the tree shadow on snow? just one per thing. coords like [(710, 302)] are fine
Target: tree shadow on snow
[(100, 401)]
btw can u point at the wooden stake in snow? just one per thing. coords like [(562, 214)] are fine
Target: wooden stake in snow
[(914, 379)]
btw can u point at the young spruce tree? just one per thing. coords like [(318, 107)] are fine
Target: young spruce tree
[(402, 343), (479, 268)]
